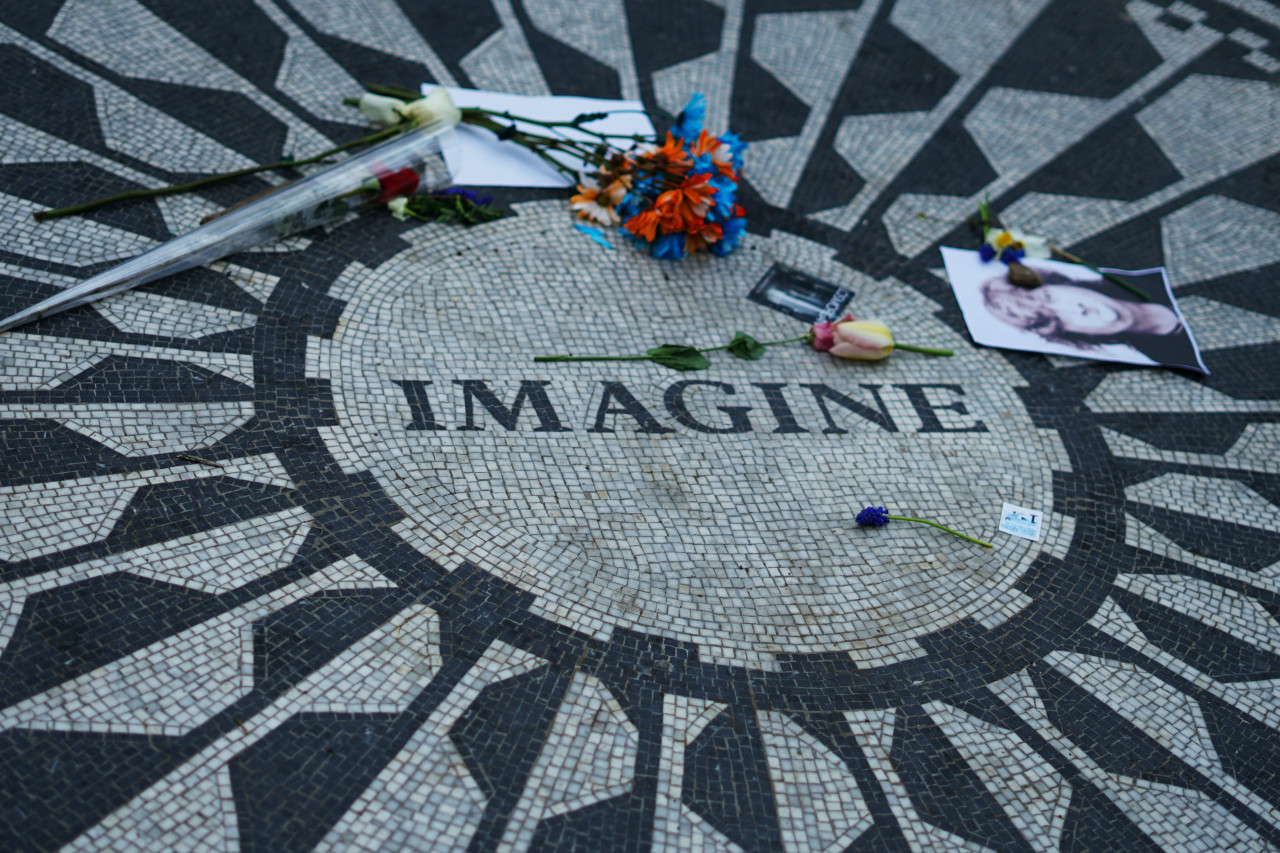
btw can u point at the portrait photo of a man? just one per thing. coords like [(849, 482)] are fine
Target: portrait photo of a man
[(1075, 311)]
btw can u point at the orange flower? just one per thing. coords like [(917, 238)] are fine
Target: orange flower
[(670, 157), (644, 224), (720, 152), (702, 235), (687, 204)]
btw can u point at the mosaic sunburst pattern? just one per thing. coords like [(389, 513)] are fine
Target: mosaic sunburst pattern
[(284, 563)]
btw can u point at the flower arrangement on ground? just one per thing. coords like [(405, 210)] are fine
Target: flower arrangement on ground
[(674, 196)]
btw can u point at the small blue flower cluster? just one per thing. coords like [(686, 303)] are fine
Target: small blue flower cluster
[(874, 516), (1010, 255)]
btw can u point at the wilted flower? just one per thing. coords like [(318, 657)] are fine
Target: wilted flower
[(866, 340), (399, 207)]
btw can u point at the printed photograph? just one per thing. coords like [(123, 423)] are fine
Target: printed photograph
[(1075, 312), (801, 295)]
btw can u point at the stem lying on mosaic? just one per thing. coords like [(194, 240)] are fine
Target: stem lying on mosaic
[(940, 527), (546, 358), (1114, 279), (804, 337), (925, 350), (85, 207)]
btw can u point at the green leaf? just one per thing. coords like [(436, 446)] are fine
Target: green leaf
[(746, 347), (678, 357), (984, 211)]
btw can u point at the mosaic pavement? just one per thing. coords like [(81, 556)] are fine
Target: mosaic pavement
[(301, 551)]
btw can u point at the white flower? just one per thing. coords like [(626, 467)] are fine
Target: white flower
[(399, 207), (381, 109), (437, 106), (587, 202), (1033, 245)]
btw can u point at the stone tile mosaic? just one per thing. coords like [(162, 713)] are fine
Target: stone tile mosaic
[(302, 551)]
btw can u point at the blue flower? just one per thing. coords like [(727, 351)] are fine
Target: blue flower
[(630, 206), (689, 123), (736, 147), (594, 233), (724, 199), (731, 232), (987, 252), (669, 246), (1012, 255), (874, 516), (469, 195)]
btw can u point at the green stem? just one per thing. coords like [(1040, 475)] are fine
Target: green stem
[(530, 141), (925, 350), (604, 137), (541, 358), (804, 337), (42, 215), (391, 92), (940, 527), (544, 358), (1114, 279)]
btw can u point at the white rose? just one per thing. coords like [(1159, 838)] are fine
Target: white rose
[(381, 109), (399, 207), (437, 106)]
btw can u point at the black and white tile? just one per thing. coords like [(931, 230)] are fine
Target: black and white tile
[(283, 564)]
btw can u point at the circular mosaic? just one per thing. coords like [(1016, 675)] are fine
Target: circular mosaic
[(713, 507), (302, 551)]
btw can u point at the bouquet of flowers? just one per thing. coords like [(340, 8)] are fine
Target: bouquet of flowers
[(672, 198)]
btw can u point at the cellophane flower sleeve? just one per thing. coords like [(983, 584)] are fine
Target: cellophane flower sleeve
[(406, 164)]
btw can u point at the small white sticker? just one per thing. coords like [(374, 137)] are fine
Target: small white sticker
[(1020, 521)]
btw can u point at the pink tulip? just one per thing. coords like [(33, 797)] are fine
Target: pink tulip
[(867, 340)]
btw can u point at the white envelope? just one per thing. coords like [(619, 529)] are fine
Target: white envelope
[(477, 158)]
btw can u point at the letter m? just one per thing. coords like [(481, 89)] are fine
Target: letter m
[(535, 393)]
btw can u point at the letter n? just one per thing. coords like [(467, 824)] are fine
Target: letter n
[(879, 417), (534, 392)]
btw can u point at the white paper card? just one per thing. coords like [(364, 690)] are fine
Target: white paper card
[(1020, 521), (477, 158)]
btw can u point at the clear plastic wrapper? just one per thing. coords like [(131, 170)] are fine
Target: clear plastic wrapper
[(408, 164)]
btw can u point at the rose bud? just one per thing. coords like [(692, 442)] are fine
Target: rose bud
[(867, 340)]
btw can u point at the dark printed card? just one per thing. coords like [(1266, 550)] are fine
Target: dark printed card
[(801, 295)]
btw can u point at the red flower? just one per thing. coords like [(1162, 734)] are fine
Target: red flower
[(395, 184)]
